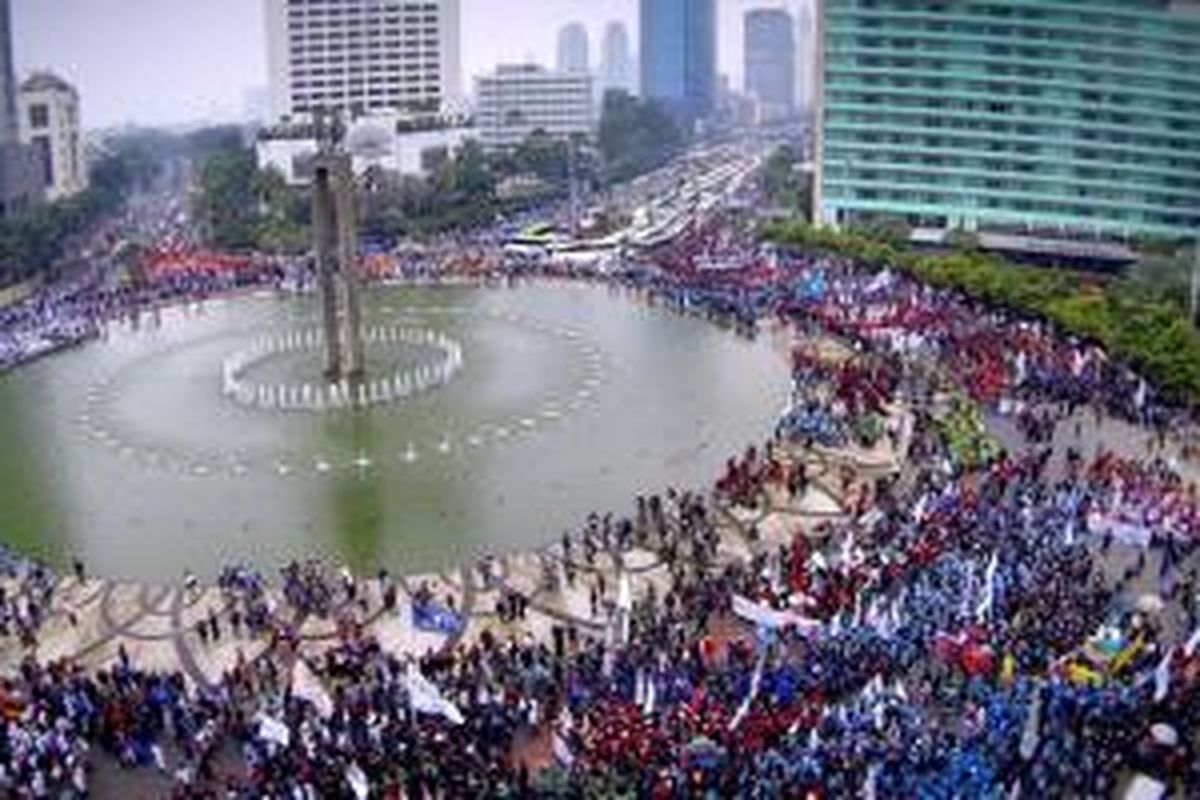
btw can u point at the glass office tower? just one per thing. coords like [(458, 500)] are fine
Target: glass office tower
[(679, 55), (1049, 114)]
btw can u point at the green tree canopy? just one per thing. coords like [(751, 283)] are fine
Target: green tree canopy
[(635, 136), (1152, 335), (227, 202)]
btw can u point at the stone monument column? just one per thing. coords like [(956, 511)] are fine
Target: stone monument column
[(325, 233), (347, 223)]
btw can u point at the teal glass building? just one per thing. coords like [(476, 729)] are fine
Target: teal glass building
[(1077, 115)]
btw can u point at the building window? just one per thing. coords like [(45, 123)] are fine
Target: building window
[(41, 146), (39, 115)]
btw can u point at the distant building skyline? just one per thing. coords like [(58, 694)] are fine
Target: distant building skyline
[(770, 54), (677, 54), (574, 51), (188, 61), (362, 57), (618, 64)]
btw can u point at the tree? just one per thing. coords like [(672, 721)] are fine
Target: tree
[(784, 186), (206, 142), (543, 155), (635, 136), (472, 174), (886, 228), (1148, 333), (227, 202), (38, 241), (285, 214), (1164, 271)]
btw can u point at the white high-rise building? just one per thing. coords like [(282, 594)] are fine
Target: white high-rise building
[(359, 57), (574, 54), (519, 99), (48, 114), (617, 70)]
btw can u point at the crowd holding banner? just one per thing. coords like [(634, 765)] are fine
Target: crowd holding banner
[(970, 630)]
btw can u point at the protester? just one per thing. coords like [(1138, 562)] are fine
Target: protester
[(965, 629)]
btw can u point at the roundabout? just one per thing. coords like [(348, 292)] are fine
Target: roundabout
[(488, 421)]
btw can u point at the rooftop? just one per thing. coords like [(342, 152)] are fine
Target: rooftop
[(46, 82)]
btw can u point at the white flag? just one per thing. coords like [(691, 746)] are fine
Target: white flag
[(562, 750), (1192, 643), (744, 709), (989, 589), (358, 781), (307, 686), (869, 791), (1162, 676), (273, 730), (1030, 736), (624, 592), (427, 699)]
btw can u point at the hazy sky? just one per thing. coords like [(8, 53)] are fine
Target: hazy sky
[(170, 61)]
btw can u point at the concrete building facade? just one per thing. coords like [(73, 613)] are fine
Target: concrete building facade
[(48, 110), (357, 57), (519, 99)]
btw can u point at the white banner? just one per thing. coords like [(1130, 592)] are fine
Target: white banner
[(358, 782), (307, 686), (427, 699), (767, 617), (273, 730)]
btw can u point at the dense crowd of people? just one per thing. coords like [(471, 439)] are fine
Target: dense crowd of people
[(974, 626)]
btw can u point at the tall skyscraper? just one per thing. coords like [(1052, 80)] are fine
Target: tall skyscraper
[(770, 54), (20, 177), (8, 87), (973, 115), (678, 51), (806, 49), (616, 62), (362, 56), (573, 50)]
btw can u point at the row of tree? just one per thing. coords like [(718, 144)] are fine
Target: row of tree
[(635, 136), (1150, 333), (241, 207), (783, 184)]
